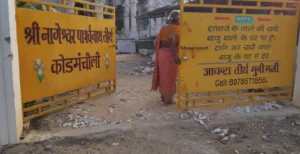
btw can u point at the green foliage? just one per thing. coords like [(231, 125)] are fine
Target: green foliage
[(34, 6), (29, 104), (20, 4)]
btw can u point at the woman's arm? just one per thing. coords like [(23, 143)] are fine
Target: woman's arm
[(172, 42)]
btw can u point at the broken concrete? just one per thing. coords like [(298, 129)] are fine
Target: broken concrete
[(247, 109), (267, 106), (145, 70), (196, 116), (146, 52), (81, 118)]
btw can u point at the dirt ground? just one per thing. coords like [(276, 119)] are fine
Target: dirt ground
[(136, 123), (282, 137)]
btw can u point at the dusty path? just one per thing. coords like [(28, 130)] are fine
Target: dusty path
[(133, 121), (257, 136)]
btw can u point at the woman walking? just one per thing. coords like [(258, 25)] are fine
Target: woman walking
[(166, 58)]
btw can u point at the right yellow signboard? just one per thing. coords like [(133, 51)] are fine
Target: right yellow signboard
[(235, 52)]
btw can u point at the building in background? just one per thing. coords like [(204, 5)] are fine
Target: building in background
[(126, 12)]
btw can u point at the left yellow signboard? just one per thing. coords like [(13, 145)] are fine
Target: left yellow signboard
[(61, 52)]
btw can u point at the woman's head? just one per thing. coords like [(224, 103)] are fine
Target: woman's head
[(174, 17)]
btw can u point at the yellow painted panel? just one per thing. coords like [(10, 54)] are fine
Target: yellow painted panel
[(61, 52), (231, 51)]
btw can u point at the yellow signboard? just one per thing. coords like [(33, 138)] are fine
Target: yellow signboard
[(61, 52), (231, 51)]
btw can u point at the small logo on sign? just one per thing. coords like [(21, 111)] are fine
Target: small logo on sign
[(244, 20), (39, 67)]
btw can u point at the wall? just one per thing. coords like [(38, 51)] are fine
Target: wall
[(126, 46), (145, 43), (115, 2), (11, 120)]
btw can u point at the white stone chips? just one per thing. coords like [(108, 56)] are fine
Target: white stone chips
[(198, 117), (267, 106), (146, 52), (145, 70), (81, 118), (223, 134)]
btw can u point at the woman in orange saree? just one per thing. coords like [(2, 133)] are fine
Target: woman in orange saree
[(166, 59)]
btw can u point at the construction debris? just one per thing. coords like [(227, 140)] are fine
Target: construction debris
[(144, 114), (217, 130), (247, 109), (145, 69), (148, 70), (226, 138), (223, 134), (81, 118), (115, 144), (267, 106), (202, 118), (111, 110), (232, 136), (198, 117), (146, 52), (153, 57)]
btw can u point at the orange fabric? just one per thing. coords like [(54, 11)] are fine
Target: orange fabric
[(167, 31), (155, 80), (167, 73), (165, 68)]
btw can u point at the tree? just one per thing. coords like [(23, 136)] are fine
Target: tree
[(177, 2), (34, 6)]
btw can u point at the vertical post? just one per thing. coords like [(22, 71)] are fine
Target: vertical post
[(126, 17), (296, 92), (150, 42), (166, 17), (71, 11), (150, 28), (100, 9), (179, 84), (133, 32), (11, 119), (138, 28), (158, 24)]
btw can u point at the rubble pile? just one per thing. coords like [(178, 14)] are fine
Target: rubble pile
[(145, 69), (81, 118), (196, 116), (153, 57), (224, 134), (267, 106), (144, 114), (170, 115), (146, 52)]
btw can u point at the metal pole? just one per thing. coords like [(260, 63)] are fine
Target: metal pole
[(150, 33), (138, 28), (166, 16)]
